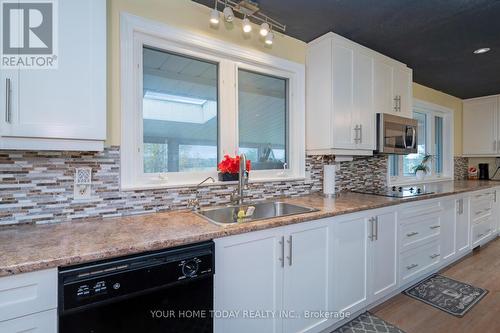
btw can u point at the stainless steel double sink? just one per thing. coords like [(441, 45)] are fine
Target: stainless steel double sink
[(264, 210)]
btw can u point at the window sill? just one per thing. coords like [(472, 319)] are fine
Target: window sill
[(167, 185), (414, 181)]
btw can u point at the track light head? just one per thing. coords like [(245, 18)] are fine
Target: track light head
[(247, 27), (264, 29), (269, 38), (228, 14), (214, 16)]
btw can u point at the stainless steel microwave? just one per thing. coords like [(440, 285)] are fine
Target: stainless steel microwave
[(396, 135)]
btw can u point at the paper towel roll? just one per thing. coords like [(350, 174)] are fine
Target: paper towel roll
[(329, 180)]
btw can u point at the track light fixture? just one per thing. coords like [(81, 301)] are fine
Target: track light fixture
[(250, 12)]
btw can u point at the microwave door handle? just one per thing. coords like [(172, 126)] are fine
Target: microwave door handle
[(404, 137), (413, 138)]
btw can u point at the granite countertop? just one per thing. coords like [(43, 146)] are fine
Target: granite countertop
[(26, 248)]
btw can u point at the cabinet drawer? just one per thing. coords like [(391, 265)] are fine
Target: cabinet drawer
[(408, 214), (481, 205), (419, 259), (421, 229), (482, 229), (42, 322), (27, 293)]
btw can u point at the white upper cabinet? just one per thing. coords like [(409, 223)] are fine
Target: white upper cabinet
[(481, 127), (61, 108), (393, 88), (346, 85)]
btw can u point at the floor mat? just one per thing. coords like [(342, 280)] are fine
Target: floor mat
[(446, 294), (368, 322)]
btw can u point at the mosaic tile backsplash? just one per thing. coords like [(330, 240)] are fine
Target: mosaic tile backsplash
[(37, 187), (461, 165)]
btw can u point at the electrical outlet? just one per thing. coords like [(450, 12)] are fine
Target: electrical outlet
[(83, 183)]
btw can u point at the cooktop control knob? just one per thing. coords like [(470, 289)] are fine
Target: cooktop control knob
[(190, 267), (400, 189)]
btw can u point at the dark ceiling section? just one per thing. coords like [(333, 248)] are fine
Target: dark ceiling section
[(435, 38)]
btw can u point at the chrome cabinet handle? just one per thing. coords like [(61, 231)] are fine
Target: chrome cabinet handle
[(411, 234), (356, 134), (412, 266), (435, 227), (7, 100), (434, 256), (360, 134), (282, 258), (372, 229), (289, 241), (460, 206), (376, 227)]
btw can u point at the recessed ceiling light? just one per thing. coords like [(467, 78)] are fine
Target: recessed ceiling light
[(482, 50)]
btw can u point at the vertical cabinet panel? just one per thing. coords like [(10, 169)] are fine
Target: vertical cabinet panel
[(364, 114), (480, 118), (318, 90), (350, 264), (403, 79), (448, 230), (462, 226), (249, 276), (343, 97), (307, 277), (383, 88), (68, 102), (383, 249)]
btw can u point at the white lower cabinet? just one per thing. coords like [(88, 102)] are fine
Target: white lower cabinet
[(42, 322), (267, 279), (365, 260), (383, 248), (248, 277), (28, 302), (350, 263)]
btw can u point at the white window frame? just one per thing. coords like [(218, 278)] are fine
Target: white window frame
[(137, 32), (448, 148)]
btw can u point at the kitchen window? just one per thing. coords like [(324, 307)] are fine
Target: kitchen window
[(435, 128), (262, 119), (188, 100)]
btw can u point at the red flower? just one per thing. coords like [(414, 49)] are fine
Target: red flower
[(232, 164)]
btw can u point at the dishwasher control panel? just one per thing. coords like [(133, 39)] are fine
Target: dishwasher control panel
[(104, 281)]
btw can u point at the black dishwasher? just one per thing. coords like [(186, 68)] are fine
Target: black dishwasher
[(168, 291)]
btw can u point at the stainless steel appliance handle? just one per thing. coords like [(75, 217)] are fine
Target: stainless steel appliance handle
[(290, 242), (7, 100), (413, 138)]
